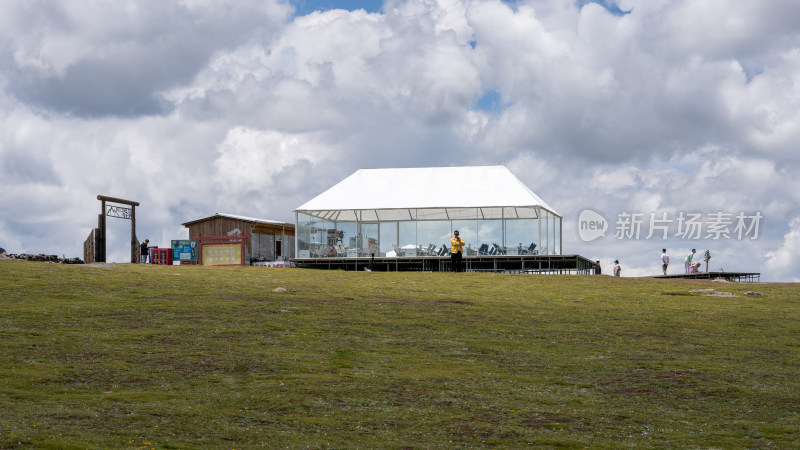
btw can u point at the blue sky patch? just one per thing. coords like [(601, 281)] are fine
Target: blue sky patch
[(305, 7), (751, 71), (610, 6), (491, 103)]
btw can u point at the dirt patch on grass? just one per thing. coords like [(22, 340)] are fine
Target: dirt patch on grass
[(647, 381), (399, 301), (455, 302), (712, 293)]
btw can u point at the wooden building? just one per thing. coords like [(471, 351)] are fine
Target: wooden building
[(265, 240)]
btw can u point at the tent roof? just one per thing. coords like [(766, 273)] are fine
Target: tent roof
[(447, 189)]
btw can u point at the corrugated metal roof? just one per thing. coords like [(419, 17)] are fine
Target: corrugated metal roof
[(242, 218)]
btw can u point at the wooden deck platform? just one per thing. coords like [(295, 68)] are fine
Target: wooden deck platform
[(534, 264), (751, 277)]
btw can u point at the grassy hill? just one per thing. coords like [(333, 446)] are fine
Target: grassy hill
[(139, 356)]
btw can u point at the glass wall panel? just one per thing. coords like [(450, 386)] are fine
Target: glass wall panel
[(303, 234), (388, 237), (551, 234), (315, 236), (490, 237), (522, 236), (393, 215), (346, 237), (545, 228), (557, 244), (432, 234), (431, 214), (408, 238), (367, 240), (492, 213), (527, 212), (468, 232), (463, 213)]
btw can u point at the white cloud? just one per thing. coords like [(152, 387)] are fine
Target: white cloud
[(251, 160), (783, 263), (100, 58)]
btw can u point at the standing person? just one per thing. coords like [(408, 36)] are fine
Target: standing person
[(687, 262), (456, 247), (617, 268), (597, 269), (664, 260), (143, 250)]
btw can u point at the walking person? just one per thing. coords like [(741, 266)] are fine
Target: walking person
[(617, 268), (143, 250), (664, 260), (456, 248), (687, 262)]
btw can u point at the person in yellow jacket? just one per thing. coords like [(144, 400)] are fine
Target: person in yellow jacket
[(456, 249)]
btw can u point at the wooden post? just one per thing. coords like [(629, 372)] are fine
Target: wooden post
[(101, 223), (134, 250)]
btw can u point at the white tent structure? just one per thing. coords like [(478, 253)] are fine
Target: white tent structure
[(375, 211)]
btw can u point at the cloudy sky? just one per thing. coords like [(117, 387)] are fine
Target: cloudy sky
[(193, 107)]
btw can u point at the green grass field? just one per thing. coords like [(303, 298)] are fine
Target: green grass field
[(134, 356)]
